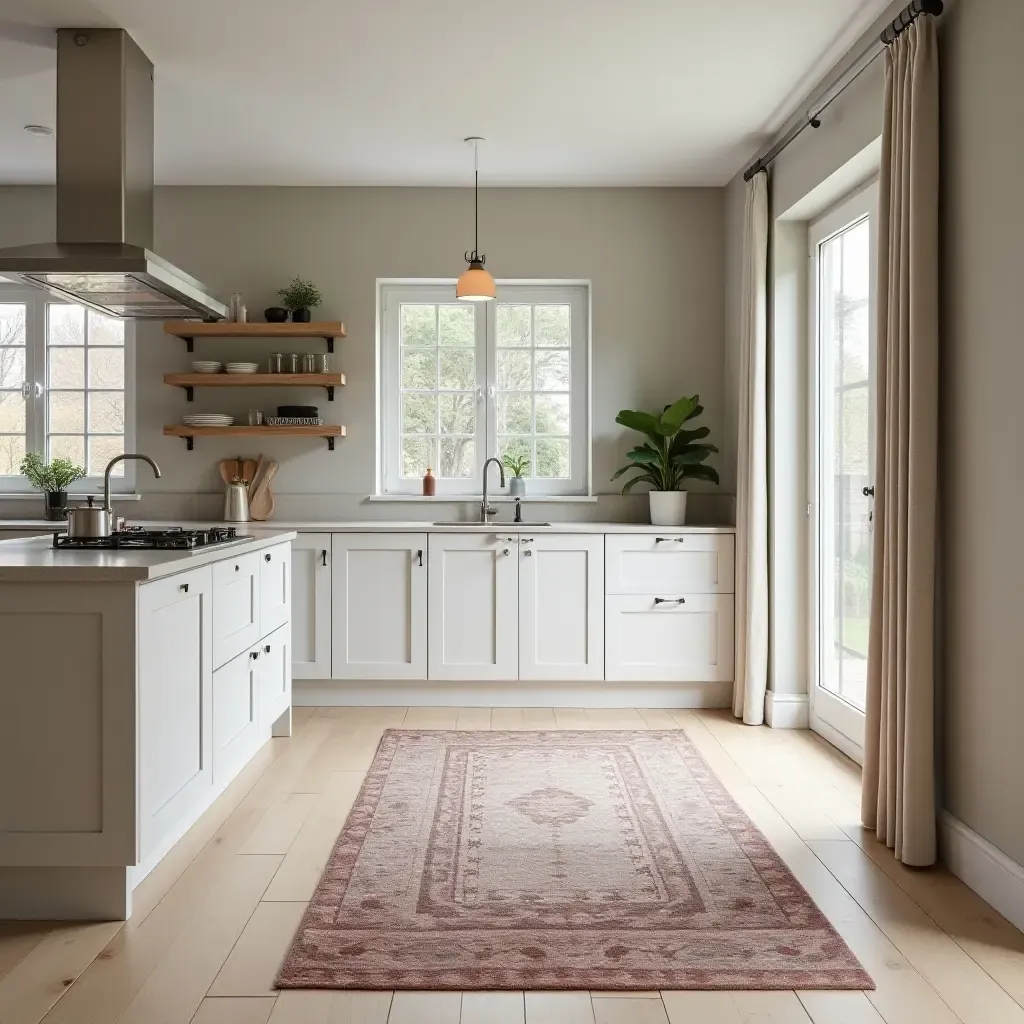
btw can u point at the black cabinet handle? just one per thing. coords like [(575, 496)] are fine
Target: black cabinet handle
[(323, 555), (266, 558), (419, 555), (254, 655), (236, 568), (669, 540), (183, 587), (868, 492), (670, 600), (266, 650)]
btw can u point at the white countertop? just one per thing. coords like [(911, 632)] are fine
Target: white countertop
[(35, 560)]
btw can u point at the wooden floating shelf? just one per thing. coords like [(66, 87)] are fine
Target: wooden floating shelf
[(188, 381), (189, 330), (328, 431)]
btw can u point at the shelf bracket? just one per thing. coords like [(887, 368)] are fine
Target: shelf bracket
[(330, 392), (189, 393), (330, 344), (330, 444), (189, 344), (190, 443)]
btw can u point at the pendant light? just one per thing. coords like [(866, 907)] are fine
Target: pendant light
[(475, 284)]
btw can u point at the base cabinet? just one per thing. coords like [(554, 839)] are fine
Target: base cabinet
[(561, 607), (275, 678), (474, 597), (379, 606), (670, 638), (236, 726), (311, 606), (175, 677)]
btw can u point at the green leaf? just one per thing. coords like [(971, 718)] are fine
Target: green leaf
[(685, 437), (693, 453), (677, 414), (643, 478), (631, 468), (645, 456), (642, 421), (695, 413), (701, 472)]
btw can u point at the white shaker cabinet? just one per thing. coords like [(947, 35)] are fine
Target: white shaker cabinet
[(275, 588), (236, 606), (275, 680), (311, 606), (474, 606), (236, 726), (379, 606), (561, 607), (175, 672)]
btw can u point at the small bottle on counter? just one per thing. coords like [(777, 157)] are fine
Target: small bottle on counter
[(429, 483)]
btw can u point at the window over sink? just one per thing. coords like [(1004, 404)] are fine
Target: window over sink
[(66, 387), (461, 382)]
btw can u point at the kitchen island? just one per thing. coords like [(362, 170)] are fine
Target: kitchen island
[(135, 685)]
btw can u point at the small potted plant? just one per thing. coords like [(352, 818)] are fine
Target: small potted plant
[(301, 297), (53, 480), (669, 458), (518, 466)]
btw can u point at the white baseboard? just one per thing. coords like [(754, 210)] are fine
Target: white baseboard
[(370, 693), (787, 710), (998, 880)]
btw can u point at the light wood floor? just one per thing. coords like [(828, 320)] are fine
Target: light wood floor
[(212, 923)]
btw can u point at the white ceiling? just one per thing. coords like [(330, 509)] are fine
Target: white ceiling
[(332, 92)]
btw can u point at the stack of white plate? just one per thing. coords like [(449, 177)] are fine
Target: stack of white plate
[(208, 419), (205, 366), (242, 367)]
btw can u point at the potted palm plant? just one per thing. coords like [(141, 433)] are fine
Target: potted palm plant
[(53, 480), (301, 297), (669, 457), (518, 466)]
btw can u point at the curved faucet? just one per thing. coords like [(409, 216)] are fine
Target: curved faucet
[(121, 458), (485, 508)]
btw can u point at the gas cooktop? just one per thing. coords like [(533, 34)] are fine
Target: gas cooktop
[(137, 538)]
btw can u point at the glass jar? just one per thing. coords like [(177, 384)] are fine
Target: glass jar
[(291, 362), (275, 362), (309, 363)]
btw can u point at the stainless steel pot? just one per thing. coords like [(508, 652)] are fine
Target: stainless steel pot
[(88, 521)]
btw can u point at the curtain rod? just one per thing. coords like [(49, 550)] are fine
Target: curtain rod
[(900, 23)]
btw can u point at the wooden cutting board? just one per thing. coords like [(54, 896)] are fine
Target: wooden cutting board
[(261, 506)]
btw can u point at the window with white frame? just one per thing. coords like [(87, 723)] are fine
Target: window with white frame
[(461, 382), (66, 375)]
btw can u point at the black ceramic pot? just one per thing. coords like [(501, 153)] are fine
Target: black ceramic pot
[(301, 316), (276, 314), (56, 508)]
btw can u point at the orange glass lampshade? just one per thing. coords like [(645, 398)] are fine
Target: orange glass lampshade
[(475, 284)]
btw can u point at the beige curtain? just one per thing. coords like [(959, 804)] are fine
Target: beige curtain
[(898, 798), (752, 478)]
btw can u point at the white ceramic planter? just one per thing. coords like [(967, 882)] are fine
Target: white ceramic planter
[(517, 486), (668, 508)]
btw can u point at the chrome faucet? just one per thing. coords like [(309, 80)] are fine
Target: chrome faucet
[(485, 508), (111, 464)]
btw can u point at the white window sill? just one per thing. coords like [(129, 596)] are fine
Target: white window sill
[(38, 496), (498, 499)]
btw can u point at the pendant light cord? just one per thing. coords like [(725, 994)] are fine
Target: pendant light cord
[(476, 198)]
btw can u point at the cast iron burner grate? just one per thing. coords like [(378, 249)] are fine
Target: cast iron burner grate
[(139, 539)]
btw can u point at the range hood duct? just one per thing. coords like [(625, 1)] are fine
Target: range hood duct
[(102, 256)]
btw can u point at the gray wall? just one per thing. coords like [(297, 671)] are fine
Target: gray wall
[(654, 256), (982, 468)]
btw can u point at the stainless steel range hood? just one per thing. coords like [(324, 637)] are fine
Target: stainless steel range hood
[(102, 255)]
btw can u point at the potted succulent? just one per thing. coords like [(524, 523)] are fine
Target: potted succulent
[(518, 466), (669, 457), (301, 297), (53, 480)]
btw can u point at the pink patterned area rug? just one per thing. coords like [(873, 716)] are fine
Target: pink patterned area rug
[(557, 860)]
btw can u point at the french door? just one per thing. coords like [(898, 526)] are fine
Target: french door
[(842, 442)]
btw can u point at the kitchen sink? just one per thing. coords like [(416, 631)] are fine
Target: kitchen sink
[(500, 527)]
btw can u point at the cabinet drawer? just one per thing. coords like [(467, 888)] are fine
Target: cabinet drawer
[(669, 639), (236, 733), (669, 564), (236, 608), (275, 587)]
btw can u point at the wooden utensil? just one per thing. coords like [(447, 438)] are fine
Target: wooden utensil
[(254, 480), (228, 469), (247, 471), (261, 507)]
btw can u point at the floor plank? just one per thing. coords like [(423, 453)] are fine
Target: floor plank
[(17, 940), (702, 1007), (280, 825), (253, 964), (839, 1008), (770, 1008), (431, 718), (629, 1011), (425, 1008), (234, 1011), (493, 1008), (473, 718), (295, 1006), (559, 1008)]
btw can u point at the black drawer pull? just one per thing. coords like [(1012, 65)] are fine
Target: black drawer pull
[(266, 558), (236, 568), (254, 655), (266, 650), (183, 587), (669, 540), (323, 555), (670, 600)]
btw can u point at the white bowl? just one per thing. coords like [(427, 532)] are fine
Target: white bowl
[(204, 366), (242, 367)]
